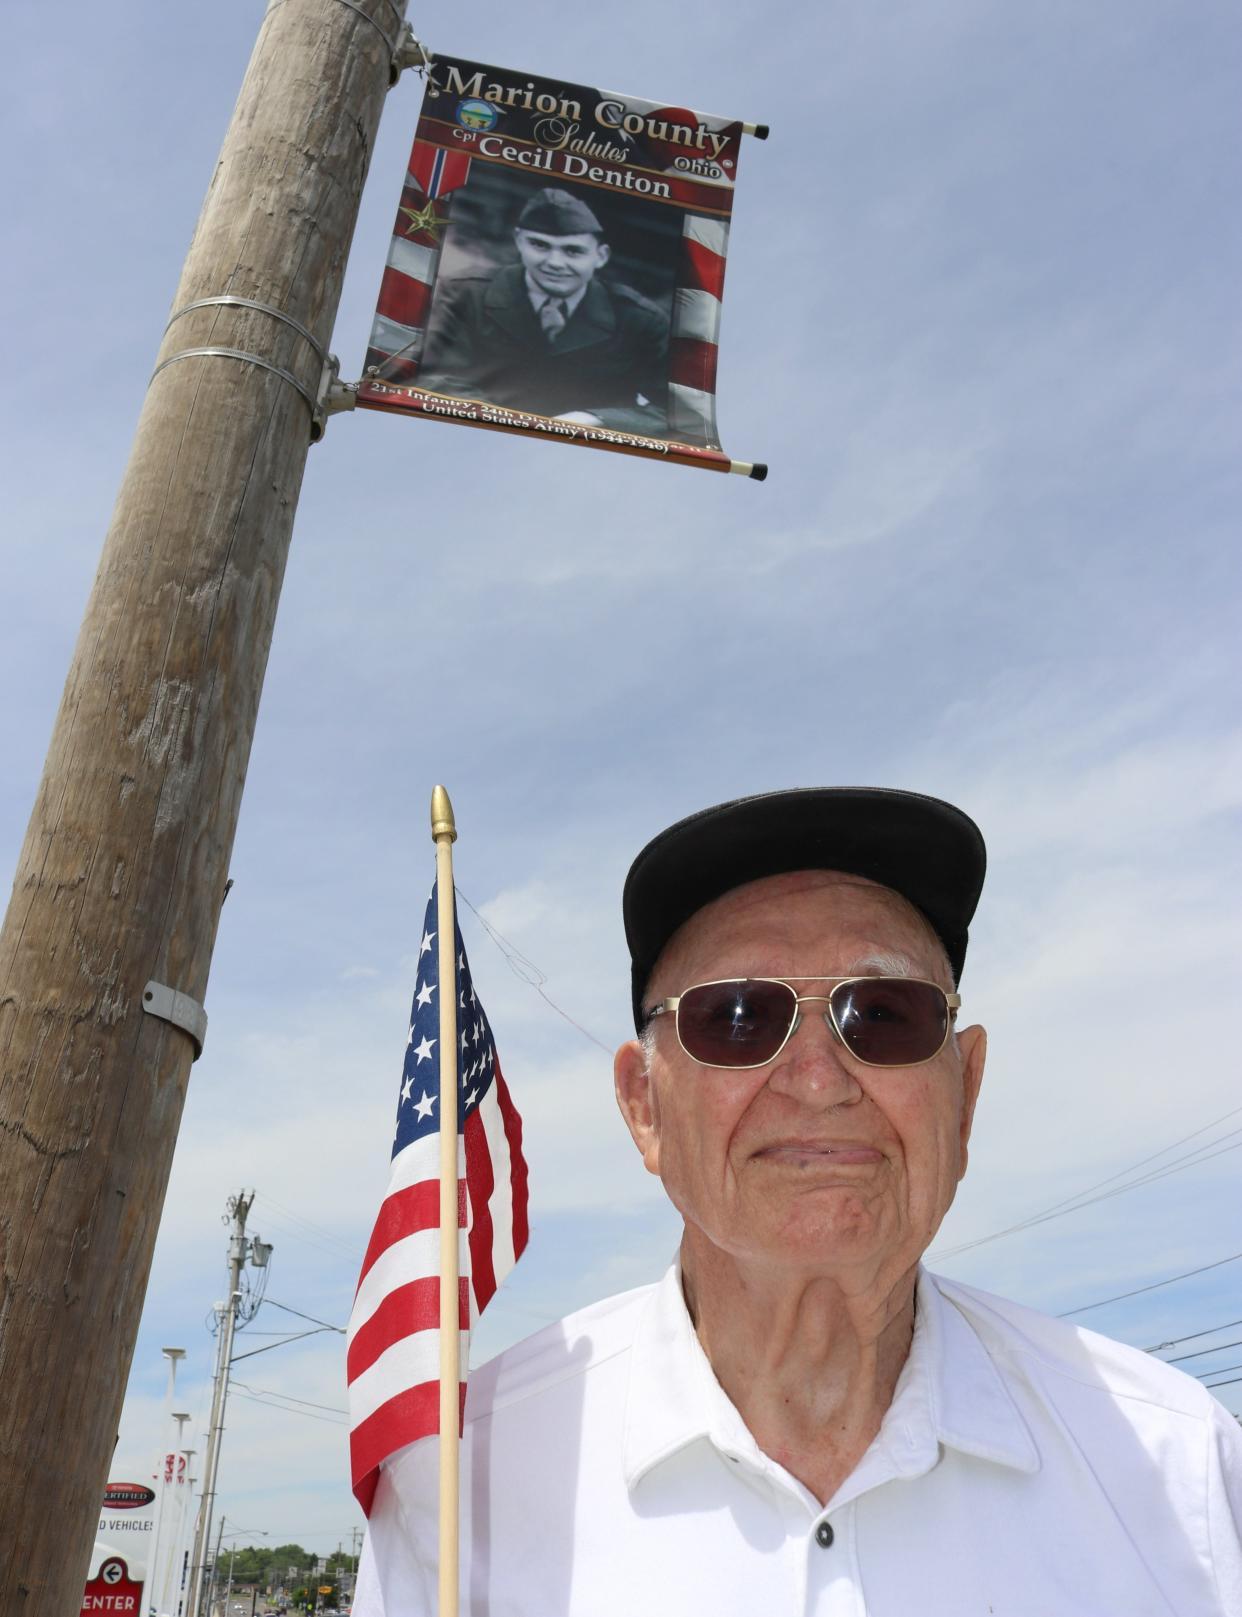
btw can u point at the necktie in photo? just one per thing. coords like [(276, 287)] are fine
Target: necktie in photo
[(552, 318)]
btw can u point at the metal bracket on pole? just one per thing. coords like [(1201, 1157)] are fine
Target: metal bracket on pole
[(331, 396), (334, 396), (170, 1005), (409, 53)]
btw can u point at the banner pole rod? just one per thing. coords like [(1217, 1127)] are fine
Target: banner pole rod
[(444, 834)]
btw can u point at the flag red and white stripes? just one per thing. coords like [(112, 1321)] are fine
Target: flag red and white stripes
[(393, 1359), (396, 344)]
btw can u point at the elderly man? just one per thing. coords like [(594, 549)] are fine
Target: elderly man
[(799, 1418), (549, 334)]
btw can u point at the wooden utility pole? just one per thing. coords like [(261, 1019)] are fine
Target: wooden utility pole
[(239, 1207), (123, 869)]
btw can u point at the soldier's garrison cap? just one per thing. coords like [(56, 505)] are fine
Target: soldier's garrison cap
[(559, 213)]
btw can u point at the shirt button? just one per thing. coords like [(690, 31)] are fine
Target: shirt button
[(824, 1535)]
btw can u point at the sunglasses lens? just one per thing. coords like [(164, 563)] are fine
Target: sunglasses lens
[(890, 1022), (735, 1024)]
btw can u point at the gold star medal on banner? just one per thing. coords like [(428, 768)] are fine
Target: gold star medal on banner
[(423, 221)]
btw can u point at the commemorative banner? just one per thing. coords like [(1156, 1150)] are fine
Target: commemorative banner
[(557, 267)]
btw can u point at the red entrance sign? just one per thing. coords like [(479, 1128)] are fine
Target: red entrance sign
[(112, 1591)]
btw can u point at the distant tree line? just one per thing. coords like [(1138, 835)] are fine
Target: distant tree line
[(284, 1565)]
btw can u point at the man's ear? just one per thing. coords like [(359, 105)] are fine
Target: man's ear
[(603, 254), (632, 1082), (972, 1042)]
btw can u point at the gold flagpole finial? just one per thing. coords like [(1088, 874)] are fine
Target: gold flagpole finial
[(442, 822)]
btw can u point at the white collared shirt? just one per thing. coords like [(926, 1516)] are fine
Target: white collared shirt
[(1025, 1468)]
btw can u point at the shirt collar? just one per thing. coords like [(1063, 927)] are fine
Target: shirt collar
[(538, 297), (949, 1393)]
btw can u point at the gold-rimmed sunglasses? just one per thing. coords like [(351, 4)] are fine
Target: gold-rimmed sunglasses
[(742, 1022)]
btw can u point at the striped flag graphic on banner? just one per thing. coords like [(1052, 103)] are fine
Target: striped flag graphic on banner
[(393, 1356), (401, 310), (695, 331)]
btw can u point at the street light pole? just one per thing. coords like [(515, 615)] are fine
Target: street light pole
[(183, 1590), (156, 1577), (178, 1582)]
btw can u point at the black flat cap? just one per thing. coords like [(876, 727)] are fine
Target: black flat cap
[(926, 850)]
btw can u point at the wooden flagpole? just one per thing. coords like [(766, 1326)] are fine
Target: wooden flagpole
[(444, 834)]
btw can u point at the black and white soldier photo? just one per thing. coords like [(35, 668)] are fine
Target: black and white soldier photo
[(554, 331)]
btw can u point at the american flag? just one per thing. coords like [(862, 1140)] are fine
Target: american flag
[(393, 1361)]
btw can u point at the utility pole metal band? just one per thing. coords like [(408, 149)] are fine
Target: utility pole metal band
[(246, 359), (170, 1005), (391, 43), (228, 301)]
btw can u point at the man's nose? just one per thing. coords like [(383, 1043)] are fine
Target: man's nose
[(812, 1067)]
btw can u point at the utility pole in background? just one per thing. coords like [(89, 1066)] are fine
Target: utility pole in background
[(107, 943), (215, 1573), (239, 1207), (355, 1544)]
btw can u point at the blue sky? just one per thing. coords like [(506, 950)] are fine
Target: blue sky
[(981, 319)]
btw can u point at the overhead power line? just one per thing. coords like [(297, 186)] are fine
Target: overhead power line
[(1202, 1353), (298, 1336), (270, 1392), (327, 1325), (328, 1420), (1154, 1286), (1100, 1192), (1220, 1370), (317, 1236), (1193, 1336), (525, 968)]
